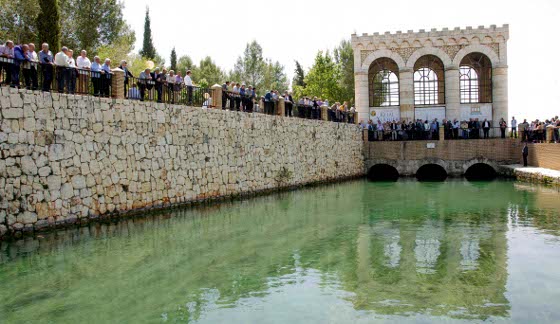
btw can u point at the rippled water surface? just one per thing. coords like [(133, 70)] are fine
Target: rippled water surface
[(357, 252)]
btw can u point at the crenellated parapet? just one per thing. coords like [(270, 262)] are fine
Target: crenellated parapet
[(450, 41)]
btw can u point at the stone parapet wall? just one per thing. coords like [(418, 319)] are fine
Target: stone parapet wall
[(68, 159), (455, 156), (545, 155), (503, 150)]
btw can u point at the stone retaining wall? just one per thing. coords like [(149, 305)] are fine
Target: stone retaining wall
[(67, 159)]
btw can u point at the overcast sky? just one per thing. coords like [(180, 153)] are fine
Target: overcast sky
[(296, 29)]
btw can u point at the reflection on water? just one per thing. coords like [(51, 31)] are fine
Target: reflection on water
[(355, 252)]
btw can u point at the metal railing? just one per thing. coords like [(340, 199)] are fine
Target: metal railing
[(409, 133), (167, 92), (236, 102)]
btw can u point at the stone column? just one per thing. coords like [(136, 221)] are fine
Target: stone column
[(216, 96), (281, 107), (362, 95), (325, 113), (117, 84), (550, 133), (500, 94), (452, 93), (406, 94), (441, 133)]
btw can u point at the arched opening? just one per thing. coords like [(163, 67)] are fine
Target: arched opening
[(383, 79), (480, 172), (431, 172), (475, 73), (383, 172), (429, 81)]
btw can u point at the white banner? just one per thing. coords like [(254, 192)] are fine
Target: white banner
[(384, 114), (430, 113), (480, 111)]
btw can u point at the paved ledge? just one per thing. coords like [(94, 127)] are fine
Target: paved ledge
[(531, 174)]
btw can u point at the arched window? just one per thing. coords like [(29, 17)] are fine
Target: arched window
[(383, 83), (475, 78), (429, 81)]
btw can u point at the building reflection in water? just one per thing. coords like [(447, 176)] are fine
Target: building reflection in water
[(449, 258)]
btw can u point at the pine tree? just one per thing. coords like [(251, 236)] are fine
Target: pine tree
[(173, 59), (148, 50), (48, 24), (299, 76)]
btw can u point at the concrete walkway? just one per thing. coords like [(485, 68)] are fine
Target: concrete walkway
[(531, 174)]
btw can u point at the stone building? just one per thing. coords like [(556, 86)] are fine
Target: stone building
[(459, 73)]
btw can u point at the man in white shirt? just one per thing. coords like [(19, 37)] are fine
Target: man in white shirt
[(83, 64), (513, 127), (72, 72), (61, 61), (7, 60), (83, 61), (189, 84)]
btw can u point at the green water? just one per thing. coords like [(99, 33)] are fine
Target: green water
[(357, 252)]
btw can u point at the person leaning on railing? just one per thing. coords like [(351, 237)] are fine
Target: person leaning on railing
[(62, 68), (127, 75), (20, 57), (84, 65), (72, 72), (30, 69), (170, 81), (106, 76), (96, 76), (6, 61), (144, 80), (46, 60)]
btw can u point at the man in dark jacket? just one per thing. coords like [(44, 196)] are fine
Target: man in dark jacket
[(127, 74), (525, 154), (20, 56)]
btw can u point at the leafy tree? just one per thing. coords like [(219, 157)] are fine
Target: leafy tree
[(119, 49), (299, 76), (251, 66), (323, 78), (18, 20), (185, 63), (173, 59), (48, 23), (148, 50), (90, 24), (344, 58), (274, 77), (209, 71)]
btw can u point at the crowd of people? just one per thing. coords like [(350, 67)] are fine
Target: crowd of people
[(167, 85), (429, 130), (75, 74), (536, 131), (72, 75), (239, 97)]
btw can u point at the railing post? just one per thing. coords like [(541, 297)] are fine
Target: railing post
[(549, 134), (117, 83), (281, 107), (441, 133), (217, 96), (324, 113)]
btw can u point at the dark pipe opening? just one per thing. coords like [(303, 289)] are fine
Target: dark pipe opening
[(480, 172), (431, 172), (383, 172)]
